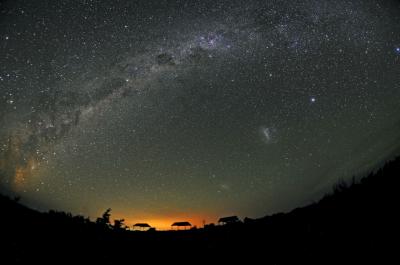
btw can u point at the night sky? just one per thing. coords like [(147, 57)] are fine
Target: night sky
[(192, 110)]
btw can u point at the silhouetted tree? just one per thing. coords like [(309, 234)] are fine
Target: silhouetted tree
[(119, 224), (104, 220)]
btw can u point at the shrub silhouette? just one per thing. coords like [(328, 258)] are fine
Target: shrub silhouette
[(119, 224), (104, 220)]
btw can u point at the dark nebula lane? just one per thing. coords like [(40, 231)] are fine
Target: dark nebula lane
[(190, 110)]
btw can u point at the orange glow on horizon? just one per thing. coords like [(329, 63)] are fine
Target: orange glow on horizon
[(165, 222)]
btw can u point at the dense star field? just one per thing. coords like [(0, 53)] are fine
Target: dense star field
[(190, 110)]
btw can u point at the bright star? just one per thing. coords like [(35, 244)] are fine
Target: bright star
[(313, 99)]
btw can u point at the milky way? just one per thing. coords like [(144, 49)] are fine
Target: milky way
[(166, 110)]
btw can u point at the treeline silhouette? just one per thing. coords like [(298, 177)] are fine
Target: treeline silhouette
[(357, 223)]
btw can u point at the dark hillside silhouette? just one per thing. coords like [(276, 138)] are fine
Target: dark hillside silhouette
[(357, 224)]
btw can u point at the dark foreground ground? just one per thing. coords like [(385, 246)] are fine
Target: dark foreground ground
[(356, 224)]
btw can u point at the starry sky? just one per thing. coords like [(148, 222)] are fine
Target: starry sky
[(192, 110)]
